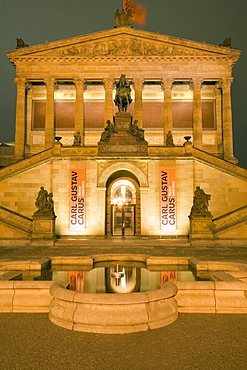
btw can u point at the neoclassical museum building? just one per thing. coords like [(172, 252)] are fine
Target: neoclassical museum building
[(123, 133)]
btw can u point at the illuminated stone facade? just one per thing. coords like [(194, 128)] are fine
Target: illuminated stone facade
[(178, 86)]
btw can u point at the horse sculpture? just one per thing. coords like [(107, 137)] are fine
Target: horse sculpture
[(122, 97)]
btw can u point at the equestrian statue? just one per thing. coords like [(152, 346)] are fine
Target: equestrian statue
[(122, 97)]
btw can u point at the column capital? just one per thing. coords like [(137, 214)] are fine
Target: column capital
[(50, 82), (79, 82), (196, 83), (138, 83), (166, 83), (226, 81), (108, 83), (20, 82)]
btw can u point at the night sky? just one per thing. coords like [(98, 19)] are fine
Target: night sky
[(210, 21)]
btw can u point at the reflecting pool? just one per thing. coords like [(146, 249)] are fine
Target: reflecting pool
[(117, 277)]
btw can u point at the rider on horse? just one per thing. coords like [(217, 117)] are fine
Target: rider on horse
[(122, 97)]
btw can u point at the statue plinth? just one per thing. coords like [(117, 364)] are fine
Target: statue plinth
[(43, 228), (121, 142), (122, 121), (201, 227)]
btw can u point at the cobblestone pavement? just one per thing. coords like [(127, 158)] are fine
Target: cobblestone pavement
[(194, 341)]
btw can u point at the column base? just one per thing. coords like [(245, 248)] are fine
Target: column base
[(231, 159)]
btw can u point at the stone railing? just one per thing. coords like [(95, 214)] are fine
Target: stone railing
[(220, 164), (25, 164), (185, 151), (15, 219), (230, 219)]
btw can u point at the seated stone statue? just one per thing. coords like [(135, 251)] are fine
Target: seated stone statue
[(109, 130), (136, 131), (200, 203), (44, 202)]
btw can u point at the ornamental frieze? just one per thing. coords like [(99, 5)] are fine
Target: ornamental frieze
[(125, 47)]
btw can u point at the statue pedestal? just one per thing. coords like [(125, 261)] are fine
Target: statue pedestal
[(122, 121), (43, 229), (122, 143), (201, 227)]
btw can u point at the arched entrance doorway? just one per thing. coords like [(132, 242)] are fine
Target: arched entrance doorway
[(123, 205)]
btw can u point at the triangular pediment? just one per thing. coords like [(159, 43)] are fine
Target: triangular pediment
[(123, 42)]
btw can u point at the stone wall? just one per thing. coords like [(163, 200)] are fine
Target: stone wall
[(228, 191)]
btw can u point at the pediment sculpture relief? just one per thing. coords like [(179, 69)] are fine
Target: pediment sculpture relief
[(124, 46)]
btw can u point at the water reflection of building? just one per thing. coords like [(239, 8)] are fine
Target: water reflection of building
[(179, 88), (133, 279), (129, 282), (168, 276), (76, 280)]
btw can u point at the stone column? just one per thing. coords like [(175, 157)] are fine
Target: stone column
[(218, 111), (197, 112), (29, 114), (79, 108), (108, 100), (145, 211), (101, 210), (227, 119), (138, 102), (49, 113), (167, 88), (20, 118)]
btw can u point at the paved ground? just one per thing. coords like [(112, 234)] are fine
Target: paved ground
[(194, 341), (155, 247)]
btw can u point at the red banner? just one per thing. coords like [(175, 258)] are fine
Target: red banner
[(138, 11), (168, 199), (77, 198)]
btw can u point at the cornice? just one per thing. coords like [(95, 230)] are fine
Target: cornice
[(37, 59), (119, 43)]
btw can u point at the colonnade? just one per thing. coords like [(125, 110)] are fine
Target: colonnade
[(166, 84)]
